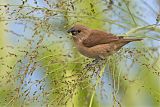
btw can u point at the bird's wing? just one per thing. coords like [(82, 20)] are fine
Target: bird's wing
[(99, 37)]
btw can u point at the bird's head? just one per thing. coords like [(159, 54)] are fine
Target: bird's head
[(79, 31)]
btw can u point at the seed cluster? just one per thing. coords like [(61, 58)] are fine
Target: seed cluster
[(38, 64)]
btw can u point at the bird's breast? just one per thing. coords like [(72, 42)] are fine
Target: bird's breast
[(84, 50), (97, 51)]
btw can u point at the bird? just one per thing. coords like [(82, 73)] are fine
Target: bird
[(95, 43)]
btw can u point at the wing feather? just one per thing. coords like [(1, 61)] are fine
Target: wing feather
[(99, 37)]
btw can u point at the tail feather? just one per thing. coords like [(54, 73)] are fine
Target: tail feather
[(132, 39), (126, 41)]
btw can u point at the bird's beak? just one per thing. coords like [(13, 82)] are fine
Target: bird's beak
[(70, 30)]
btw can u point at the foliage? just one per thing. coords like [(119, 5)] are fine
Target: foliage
[(40, 66)]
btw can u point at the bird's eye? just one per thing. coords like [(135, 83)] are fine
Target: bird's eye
[(78, 31)]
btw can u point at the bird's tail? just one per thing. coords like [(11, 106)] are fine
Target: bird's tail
[(132, 39), (125, 41)]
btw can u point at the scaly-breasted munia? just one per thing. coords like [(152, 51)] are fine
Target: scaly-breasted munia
[(97, 43)]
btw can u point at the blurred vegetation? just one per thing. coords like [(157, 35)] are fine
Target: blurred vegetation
[(39, 65)]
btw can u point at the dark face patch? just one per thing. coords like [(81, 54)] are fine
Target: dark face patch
[(73, 31)]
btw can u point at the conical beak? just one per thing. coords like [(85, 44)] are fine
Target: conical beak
[(70, 30)]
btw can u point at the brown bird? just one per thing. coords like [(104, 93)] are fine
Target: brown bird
[(97, 43)]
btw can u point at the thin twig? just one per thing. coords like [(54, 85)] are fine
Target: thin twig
[(97, 82), (130, 13)]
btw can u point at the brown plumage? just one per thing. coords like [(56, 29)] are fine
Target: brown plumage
[(96, 43)]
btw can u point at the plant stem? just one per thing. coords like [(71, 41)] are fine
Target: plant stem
[(97, 82), (130, 13)]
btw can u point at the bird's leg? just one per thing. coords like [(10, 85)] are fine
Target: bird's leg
[(95, 62)]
